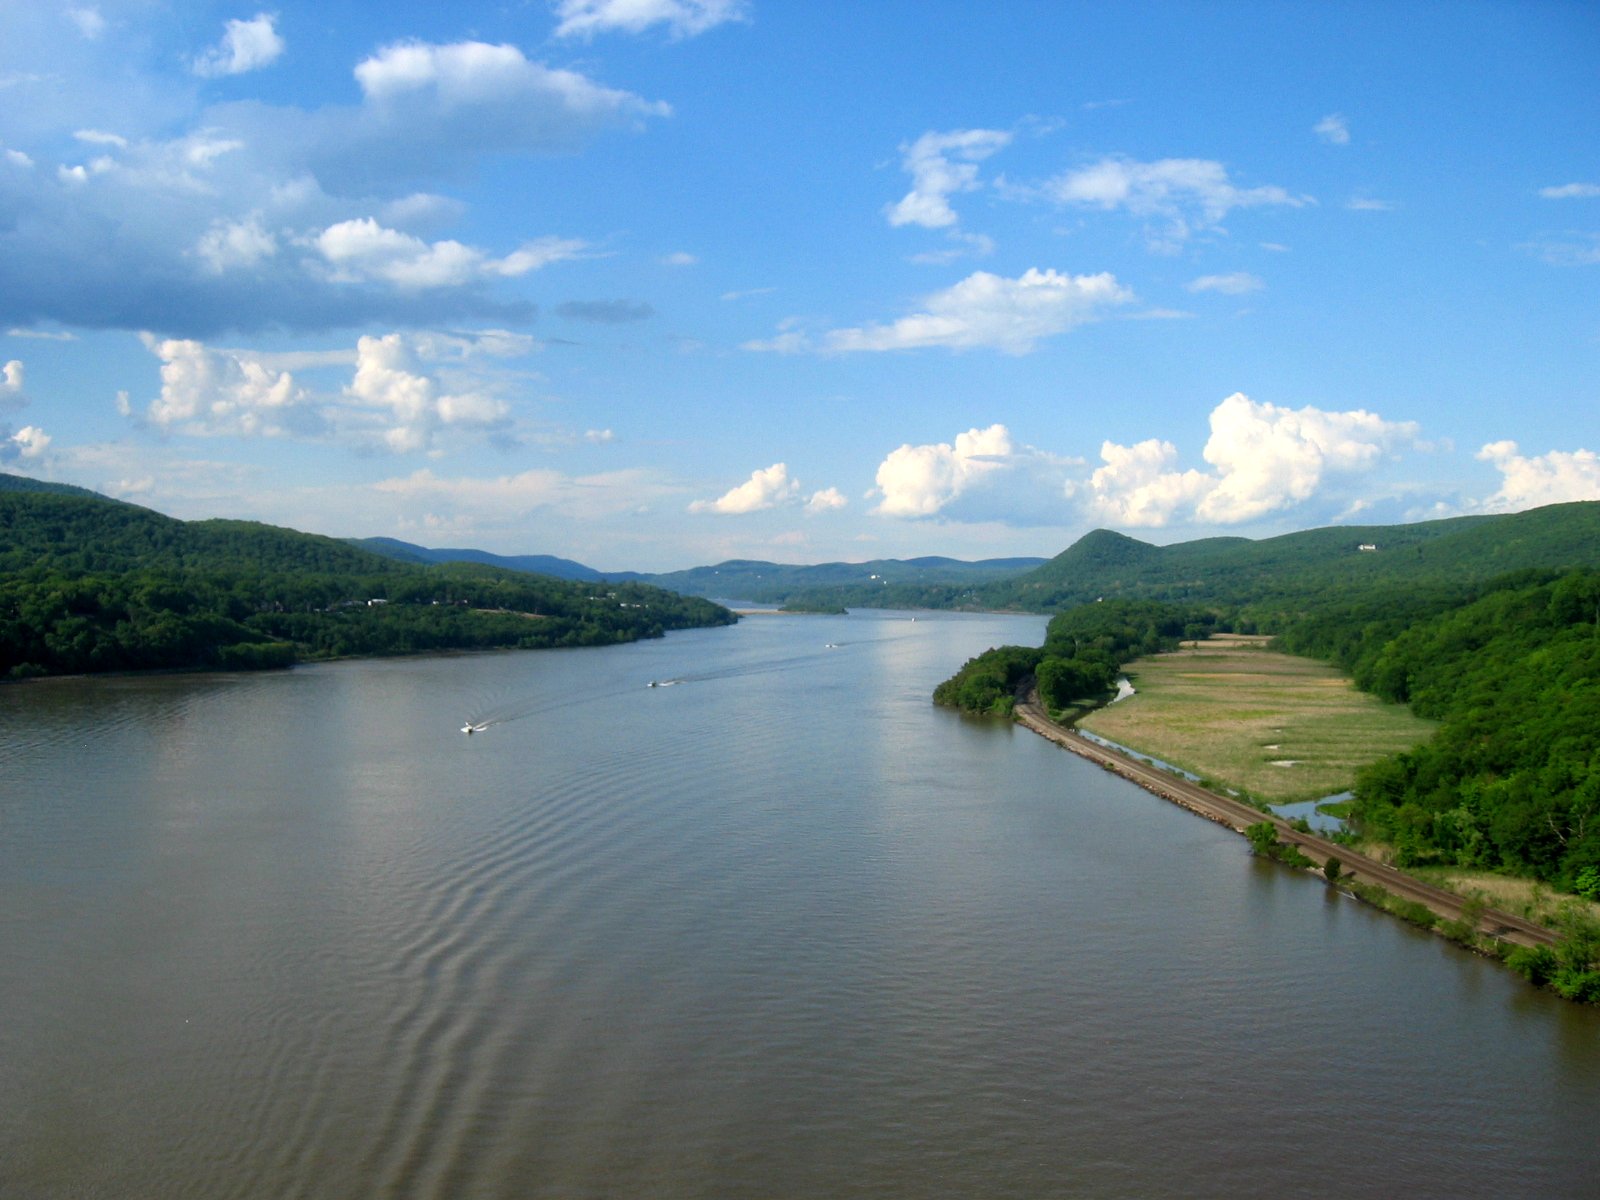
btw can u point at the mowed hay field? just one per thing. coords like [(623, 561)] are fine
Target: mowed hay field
[(1278, 727)]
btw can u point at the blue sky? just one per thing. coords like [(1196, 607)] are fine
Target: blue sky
[(655, 283)]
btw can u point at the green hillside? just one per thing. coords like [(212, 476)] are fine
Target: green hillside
[(90, 584), (1316, 565)]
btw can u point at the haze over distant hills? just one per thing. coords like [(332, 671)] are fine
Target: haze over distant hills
[(737, 578)]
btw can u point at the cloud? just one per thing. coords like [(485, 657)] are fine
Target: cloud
[(1572, 191), (1236, 284), (255, 216), (29, 442), (826, 500), (213, 392), (245, 46), (966, 245), (1189, 195), (232, 245), (1571, 249), (983, 475), (940, 165), (363, 250), (44, 335), (1554, 478), (1369, 204), (435, 346), (11, 377), (606, 312), (1333, 130), (469, 506), (89, 21), (393, 400), (1265, 458), (764, 489), (679, 258), (919, 481), (1138, 486), (99, 137), (983, 310), (683, 18), (410, 406)]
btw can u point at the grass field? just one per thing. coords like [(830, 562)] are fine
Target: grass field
[(1274, 726)]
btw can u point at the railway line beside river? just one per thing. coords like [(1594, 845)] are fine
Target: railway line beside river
[(1239, 816)]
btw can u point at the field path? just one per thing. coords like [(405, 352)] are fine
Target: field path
[(1239, 816)]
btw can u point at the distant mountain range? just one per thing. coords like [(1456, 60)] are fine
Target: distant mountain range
[(740, 578), (537, 564)]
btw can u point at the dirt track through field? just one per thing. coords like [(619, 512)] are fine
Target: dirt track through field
[(1239, 816)]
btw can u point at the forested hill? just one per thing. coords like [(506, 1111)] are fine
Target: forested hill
[(78, 532), (1318, 566), (21, 483), (91, 584)]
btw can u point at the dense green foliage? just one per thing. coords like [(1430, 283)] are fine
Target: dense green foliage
[(1512, 778), (989, 682), (88, 584), (1571, 967), (1083, 650)]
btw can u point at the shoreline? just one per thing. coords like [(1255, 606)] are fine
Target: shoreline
[(1238, 816)]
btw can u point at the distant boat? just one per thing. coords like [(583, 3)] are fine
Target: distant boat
[(469, 728)]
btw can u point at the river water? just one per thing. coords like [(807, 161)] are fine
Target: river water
[(783, 929)]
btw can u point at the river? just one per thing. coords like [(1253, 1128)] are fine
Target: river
[(783, 929)]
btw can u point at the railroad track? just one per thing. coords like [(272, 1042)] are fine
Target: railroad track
[(1239, 816)]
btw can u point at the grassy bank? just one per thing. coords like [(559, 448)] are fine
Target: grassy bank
[(1273, 726)]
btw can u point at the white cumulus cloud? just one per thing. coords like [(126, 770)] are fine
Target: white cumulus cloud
[(1271, 457), (409, 404), (207, 391), (766, 488), (941, 165), (1138, 485), (919, 481), (395, 399), (683, 18), (245, 46), (31, 441), (983, 310), (826, 500), (1529, 482), (1264, 458), (363, 250), (11, 378), (982, 475)]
